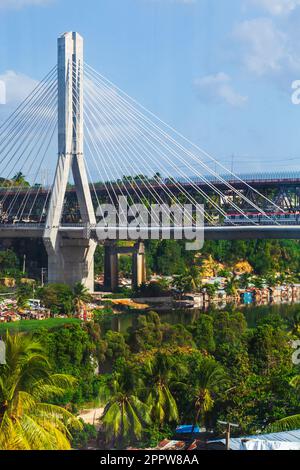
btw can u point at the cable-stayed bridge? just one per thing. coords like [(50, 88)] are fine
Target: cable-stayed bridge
[(109, 146)]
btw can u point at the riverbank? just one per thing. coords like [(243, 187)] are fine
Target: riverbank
[(187, 316), (253, 295)]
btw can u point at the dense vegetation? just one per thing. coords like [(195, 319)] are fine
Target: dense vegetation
[(169, 257), (157, 375), (216, 368), (265, 256)]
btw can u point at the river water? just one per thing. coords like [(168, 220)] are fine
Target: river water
[(252, 313)]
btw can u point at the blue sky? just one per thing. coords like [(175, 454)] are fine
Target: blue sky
[(220, 71)]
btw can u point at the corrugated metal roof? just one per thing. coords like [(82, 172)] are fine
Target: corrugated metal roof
[(287, 436)]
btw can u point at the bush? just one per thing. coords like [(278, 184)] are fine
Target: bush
[(82, 438)]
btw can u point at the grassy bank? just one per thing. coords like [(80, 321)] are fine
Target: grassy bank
[(34, 325)]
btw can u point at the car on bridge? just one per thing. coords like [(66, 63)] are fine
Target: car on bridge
[(287, 218)]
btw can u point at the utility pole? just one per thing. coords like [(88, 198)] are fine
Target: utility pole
[(43, 272), (24, 264), (228, 431)]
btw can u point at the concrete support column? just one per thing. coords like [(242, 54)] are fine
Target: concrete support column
[(111, 267), (139, 276), (72, 262)]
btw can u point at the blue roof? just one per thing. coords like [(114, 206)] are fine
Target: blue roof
[(287, 436), (187, 429)]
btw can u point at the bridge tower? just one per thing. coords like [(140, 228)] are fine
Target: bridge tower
[(70, 258)]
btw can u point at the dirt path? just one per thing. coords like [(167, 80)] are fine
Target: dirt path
[(91, 416)]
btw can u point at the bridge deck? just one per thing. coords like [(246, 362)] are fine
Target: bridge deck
[(289, 232)]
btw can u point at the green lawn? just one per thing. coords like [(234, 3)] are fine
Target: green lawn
[(34, 325)]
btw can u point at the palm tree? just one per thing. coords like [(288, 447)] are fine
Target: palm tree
[(161, 376), (22, 303), (182, 283), (231, 286), (19, 180), (80, 296), (27, 420), (244, 281), (188, 281), (286, 424), (209, 378), (271, 280), (211, 289), (195, 277), (124, 414), (259, 283)]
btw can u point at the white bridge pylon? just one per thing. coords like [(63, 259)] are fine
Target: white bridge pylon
[(70, 260)]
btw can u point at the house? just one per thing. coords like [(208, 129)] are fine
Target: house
[(288, 440), (7, 282), (247, 297), (34, 304)]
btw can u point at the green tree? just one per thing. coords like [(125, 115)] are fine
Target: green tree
[(211, 289), (81, 296), (20, 180), (269, 348), (58, 298), (125, 414), (115, 346), (203, 333), (22, 302), (27, 385), (146, 332), (71, 350), (189, 281), (83, 437), (290, 423), (231, 286), (229, 327), (208, 380), (99, 260), (166, 257), (23, 294), (161, 374), (244, 281), (9, 262)]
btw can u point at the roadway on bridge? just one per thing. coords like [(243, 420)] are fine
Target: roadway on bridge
[(245, 232)]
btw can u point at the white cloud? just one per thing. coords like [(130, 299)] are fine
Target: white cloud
[(219, 88), (18, 4), (266, 49), (276, 7), (18, 86)]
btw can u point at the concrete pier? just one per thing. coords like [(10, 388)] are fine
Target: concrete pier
[(111, 267), (139, 275), (72, 262), (111, 264)]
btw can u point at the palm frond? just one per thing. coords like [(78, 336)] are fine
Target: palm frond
[(290, 423)]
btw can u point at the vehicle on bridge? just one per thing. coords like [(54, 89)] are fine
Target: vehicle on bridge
[(287, 218)]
